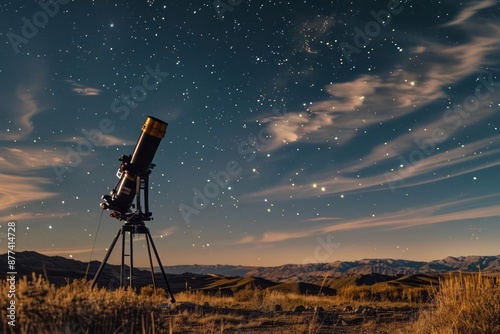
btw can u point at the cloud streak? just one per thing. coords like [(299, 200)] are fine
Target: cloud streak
[(436, 213), (102, 141), (68, 251), (26, 108), (16, 160), (26, 104), (30, 216), (83, 90), (421, 172), (19, 185), (17, 190), (470, 11), (372, 99)]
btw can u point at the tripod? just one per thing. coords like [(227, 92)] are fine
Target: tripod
[(135, 225)]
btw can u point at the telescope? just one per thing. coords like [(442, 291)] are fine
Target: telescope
[(134, 171), (134, 176)]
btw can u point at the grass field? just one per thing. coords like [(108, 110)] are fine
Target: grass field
[(461, 304)]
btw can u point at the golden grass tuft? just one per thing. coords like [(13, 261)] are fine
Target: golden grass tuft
[(464, 304)]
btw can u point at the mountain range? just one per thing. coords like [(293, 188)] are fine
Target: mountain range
[(301, 277), (314, 271)]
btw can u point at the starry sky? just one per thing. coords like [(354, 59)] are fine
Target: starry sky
[(299, 131)]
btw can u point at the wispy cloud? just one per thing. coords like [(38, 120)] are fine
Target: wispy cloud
[(30, 216), (17, 160), (279, 236), (16, 190), (29, 109), (165, 232), (82, 89), (19, 184), (437, 213), (24, 97), (421, 172), (372, 99), (69, 251), (471, 10), (101, 140), (24, 109)]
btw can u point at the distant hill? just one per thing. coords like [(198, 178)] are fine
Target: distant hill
[(317, 271), (218, 269), (325, 278)]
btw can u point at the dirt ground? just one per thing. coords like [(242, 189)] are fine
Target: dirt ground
[(191, 318)]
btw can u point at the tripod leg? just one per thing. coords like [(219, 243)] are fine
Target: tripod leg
[(122, 266), (151, 264), (131, 270), (172, 299), (103, 263)]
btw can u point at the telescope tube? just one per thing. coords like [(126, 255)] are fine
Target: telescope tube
[(137, 165)]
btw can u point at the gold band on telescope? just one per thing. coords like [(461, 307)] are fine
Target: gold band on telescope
[(154, 127)]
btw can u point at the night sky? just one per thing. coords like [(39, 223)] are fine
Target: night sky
[(299, 131)]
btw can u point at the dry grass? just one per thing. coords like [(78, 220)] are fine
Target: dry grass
[(252, 298), (76, 308), (383, 293), (464, 304)]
